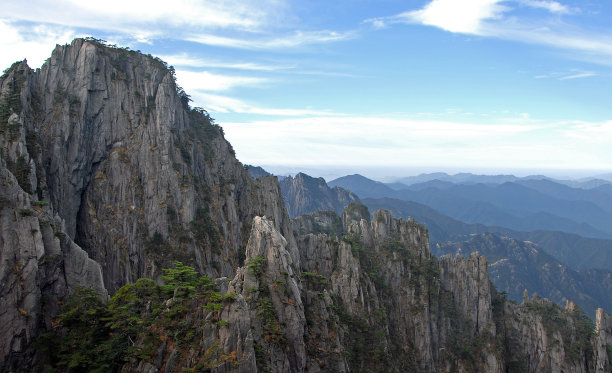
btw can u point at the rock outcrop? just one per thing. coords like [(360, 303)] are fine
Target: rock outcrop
[(374, 298), (304, 194), (256, 171)]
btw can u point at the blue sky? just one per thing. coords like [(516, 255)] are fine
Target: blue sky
[(403, 86)]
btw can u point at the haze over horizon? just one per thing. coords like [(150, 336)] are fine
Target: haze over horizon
[(392, 174), (474, 86)]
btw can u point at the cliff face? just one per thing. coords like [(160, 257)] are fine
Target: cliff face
[(40, 265), (108, 175), (138, 176), (125, 171), (135, 173), (304, 194)]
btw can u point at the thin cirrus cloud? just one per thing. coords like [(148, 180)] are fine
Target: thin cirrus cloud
[(296, 39), (496, 18), (190, 61), (150, 15), (242, 24), (34, 43), (187, 60), (225, 104), (207, 81), (551, 6), (598, 132), (33, 30), (567, 75)]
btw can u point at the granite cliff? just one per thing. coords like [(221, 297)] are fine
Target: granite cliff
[(123, 171), (109, 176), (304, 194)]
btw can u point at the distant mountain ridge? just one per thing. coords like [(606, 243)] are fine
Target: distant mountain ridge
[(256, 171), (470, 178), (525, 205)]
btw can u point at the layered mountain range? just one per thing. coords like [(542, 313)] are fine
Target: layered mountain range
[(522, 204), (111, 182)]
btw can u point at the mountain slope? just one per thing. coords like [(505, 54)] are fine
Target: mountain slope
[(375, 293), (362, 186), (518, 265), (304, 194), (579, 253)]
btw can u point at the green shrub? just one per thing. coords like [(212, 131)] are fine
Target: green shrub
[(314, 278), (256, 265), (26, 212)]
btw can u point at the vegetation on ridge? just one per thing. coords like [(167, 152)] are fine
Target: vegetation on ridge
[(91, 335)]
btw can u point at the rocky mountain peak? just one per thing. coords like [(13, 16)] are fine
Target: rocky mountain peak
[(304, 194)]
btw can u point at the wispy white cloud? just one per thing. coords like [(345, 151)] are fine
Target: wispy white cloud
[(229, 23), (400, 142), (147, 14), (187, 60), (551, 6), (553, 35), (296, 39), (34, 43), (450, 15), (457, 16), (567, 75), (467, 16), (207, 81), (595, 132), (225, 104), (499, 19)]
